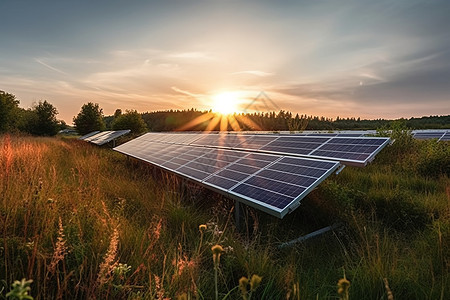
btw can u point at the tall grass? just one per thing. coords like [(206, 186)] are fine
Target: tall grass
[(85, 222)]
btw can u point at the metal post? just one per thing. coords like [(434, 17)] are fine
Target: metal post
[(309, 235), (237, 214)]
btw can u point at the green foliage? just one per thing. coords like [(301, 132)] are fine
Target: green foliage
[(41, 120), (9, 112), (89, 119), (434, 159), (131, 119)]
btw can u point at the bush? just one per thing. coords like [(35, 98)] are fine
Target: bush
[(434, 159)]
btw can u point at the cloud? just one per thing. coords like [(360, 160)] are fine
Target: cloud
[(190, 55), (254, 72), (49, 66), (184, 92)]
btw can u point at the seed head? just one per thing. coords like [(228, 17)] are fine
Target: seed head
[(243, 283), (254, 282), (343, 286), (216, 250)]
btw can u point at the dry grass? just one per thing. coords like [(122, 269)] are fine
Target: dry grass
[(83, 222)]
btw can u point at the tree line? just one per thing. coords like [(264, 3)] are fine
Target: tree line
[(38, 120), (41, 120)]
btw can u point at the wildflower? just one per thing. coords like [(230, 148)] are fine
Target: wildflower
[(20, 289), (202, 229), (254, 282), (60, 249), (109, 262), (120, 270), (182, 297), (217, 251), (343, 286), (243, 283)]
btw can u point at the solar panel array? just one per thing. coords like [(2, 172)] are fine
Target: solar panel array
[(273, 183), (103, 137), (269, 172), (347, 150)]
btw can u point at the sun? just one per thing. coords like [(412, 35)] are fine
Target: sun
[(226, 103)]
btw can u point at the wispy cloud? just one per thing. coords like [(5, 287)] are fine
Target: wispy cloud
[(190, 55), (184, 92), (49, 66), (254, 72)]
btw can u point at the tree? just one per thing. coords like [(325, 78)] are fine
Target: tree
[(89, 119), (41, 120), (132, 120), (9, 112)]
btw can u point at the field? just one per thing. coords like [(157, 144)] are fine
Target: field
[(85, 222)]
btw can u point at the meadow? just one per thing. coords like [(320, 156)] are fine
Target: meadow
[(86, 222)]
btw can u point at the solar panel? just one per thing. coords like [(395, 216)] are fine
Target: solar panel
[(273, 183), (96, 136), (445, 137), (108, 137), (427, 135), (356, 151), (88, 135)]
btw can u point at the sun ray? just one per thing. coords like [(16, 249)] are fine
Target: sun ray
[(249, 122), (233, 123), (213, 123), (223, 123), (200, 119)]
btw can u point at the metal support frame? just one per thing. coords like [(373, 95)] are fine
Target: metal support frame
[(237, 214), (309, 235)]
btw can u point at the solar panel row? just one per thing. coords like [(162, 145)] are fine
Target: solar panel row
[(427, 135), (88, 135), (273, 183), (442, 135), (347, 150), (101, 138)]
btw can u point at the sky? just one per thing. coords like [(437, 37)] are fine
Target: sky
[(368, 59)]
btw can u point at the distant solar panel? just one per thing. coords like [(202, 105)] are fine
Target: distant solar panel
[(96, 136), (108, 137), (426, 135), (88, 135), (446, 137), (270, 182)]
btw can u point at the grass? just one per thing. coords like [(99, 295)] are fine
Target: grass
[(85, 222)]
